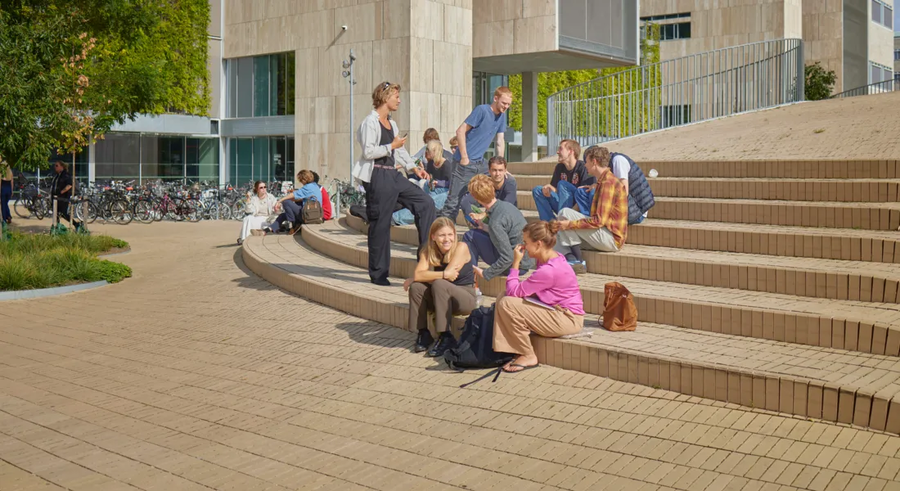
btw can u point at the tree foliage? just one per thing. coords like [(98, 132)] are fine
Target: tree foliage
[(70, 69), (819, 82), (553, 82)]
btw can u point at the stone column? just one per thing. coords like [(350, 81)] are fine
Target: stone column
[(529, 116)]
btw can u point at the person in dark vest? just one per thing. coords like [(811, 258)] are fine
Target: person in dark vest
[(443, 283), (640, 196), (382, 150)]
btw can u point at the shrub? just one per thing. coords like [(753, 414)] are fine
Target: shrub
[(30, 261), (819, 82)]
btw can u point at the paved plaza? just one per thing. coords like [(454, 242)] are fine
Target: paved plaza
[(196, 374)]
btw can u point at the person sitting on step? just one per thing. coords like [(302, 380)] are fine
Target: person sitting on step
[(259, 208), (292, 203), (569, 174), (640, 196), (439, 171), (548, 303), (443, 283), (606, 227), (505, 189), (431, 134), (498, 230), (326, 199)]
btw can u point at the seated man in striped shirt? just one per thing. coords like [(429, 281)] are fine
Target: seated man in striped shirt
[(606, 228)]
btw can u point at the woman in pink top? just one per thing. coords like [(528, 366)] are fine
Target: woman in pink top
[(548, 303)]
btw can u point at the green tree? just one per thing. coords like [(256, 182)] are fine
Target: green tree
[(70, 69), (552, 82), (819, 82)]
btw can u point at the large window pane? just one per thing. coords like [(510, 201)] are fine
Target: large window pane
[(241, 150), (260, 159), (276, 85), (876, 11), (277, 152), (289, 168), (245, 87), (117, 156), (261, 86), (202, 159)]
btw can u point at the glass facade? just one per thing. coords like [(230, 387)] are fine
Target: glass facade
[(134, 156), (260, 86), (267, 158)]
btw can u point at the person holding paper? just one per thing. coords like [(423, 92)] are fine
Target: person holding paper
[(548, 303)]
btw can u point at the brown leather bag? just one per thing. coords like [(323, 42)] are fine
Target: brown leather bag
[(619, 312)]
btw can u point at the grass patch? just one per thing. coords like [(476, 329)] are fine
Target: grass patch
[(32, 261)]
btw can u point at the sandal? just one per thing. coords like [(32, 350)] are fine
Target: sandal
[(522, 367)]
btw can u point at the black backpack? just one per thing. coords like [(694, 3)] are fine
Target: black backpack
[(475, 346)]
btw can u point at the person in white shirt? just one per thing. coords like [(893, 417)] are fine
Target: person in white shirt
[(382, 149), (260, 209)]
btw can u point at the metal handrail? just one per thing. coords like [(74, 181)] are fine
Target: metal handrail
[(874, 88), (676, 92)]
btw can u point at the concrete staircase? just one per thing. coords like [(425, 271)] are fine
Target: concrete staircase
[(797, 319)]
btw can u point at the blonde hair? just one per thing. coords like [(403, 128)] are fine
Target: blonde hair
[(436, 150), (305, 177), (383, 92), (502, 90), (433, 255), (482, 188)]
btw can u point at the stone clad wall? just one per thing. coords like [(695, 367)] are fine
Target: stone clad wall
[(424, 45)]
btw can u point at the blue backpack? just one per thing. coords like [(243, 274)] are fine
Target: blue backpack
[(475, 347)]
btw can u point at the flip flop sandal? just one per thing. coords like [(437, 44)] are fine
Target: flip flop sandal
[(523, 367)]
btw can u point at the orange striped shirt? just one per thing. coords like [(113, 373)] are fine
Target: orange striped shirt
[(609, 209)]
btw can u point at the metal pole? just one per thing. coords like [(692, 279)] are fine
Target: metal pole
[(351, 117)]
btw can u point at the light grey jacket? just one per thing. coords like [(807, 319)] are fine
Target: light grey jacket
[(369, 136)]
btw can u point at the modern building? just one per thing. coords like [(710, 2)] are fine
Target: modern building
[(281, 91), (897, 58), (851, 37)]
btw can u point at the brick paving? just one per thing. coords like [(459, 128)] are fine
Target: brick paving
[(833, 129), (195, 374)]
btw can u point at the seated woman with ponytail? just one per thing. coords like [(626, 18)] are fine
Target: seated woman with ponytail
[(548, 303), (443, 283)]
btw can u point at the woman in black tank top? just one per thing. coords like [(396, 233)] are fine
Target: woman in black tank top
[(443, 283)]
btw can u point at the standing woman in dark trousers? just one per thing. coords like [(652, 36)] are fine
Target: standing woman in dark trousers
[(6, 188), (382, 151)]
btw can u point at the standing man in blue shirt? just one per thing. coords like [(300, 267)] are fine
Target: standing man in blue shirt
[(484, 124)]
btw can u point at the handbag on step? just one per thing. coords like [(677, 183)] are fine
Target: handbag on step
[(619, 311)]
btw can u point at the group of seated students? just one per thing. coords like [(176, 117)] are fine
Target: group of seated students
[(549, 301), (269, 214)]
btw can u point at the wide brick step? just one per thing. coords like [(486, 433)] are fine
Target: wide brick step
[(837, 190), (825, 383), (850, 244), (772, 169), (776, 240), (851, 325), (866, 216), (805, 277)]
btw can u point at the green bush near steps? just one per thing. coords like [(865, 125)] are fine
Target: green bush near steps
[(32, 261)]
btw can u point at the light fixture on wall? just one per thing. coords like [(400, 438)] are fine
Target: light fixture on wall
[(347, 73)]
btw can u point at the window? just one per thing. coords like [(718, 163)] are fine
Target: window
[(202, 159), (897, 55), (652, 18), (669, 32), (261, 86), (879, 73), (882, 14), (118, 156), (260, 158)]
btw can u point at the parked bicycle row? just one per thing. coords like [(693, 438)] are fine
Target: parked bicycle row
[(125, 201)]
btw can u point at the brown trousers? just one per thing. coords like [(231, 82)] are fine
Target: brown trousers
[(441, 297), (515, 320)]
